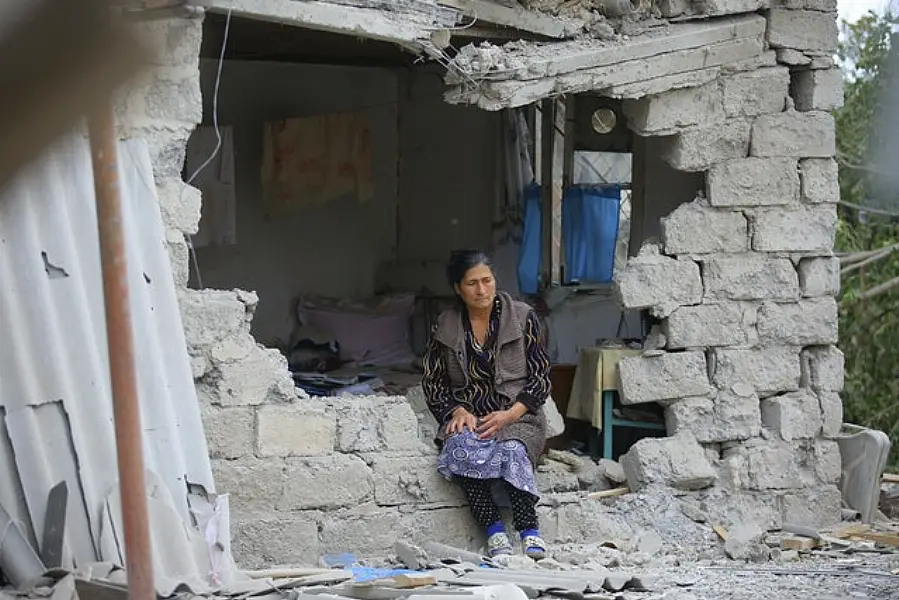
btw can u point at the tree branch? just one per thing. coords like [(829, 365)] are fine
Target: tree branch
[(879, 289), (866, 258), (873, 211)]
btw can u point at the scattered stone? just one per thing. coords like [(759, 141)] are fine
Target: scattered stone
[(615, 582), (612, 470), (744, 542), (676, 461), (692, 511), (643, 583), (412, 556), (649, 542)]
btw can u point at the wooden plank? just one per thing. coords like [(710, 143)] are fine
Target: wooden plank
[(888, 539), (516, 17), (891, 477), (721, 531), (555, 234), (803, 544), (619, 491), (547, 141)]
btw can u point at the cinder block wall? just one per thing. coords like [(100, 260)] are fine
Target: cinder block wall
[(744, 280)]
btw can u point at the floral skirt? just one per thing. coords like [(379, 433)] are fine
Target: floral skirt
[(465, 455)]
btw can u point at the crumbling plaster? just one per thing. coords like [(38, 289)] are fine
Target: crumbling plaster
[(742, 274)]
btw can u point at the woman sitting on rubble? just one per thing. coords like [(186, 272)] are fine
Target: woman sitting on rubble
[(486, 377)]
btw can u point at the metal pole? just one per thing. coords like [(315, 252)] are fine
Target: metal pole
[(126, 409)]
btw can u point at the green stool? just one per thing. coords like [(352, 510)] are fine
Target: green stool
[(610, 422)]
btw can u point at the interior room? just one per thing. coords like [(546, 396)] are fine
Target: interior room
[(343, 180)]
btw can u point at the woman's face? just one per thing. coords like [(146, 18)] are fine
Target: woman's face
[(478, 287)]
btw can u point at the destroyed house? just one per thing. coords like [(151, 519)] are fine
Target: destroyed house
[(656, 178)]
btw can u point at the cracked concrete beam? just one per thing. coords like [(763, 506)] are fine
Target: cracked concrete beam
[(516, 17), (366, 23), (530, 62), (509, 94)]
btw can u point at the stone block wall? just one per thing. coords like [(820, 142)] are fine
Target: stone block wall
[(743, 283)]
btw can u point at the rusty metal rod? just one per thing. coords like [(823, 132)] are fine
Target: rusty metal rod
[(126, 408)]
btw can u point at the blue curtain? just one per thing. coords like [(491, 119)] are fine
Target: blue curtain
[(530, 254), (589, 232)]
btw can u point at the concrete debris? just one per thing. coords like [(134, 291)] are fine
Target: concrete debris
[(745, 543), (677, 461)]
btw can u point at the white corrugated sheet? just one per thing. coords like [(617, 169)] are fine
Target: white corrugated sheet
[(56, 419)]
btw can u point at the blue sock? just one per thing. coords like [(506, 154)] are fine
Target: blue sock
[(497, 527), (530, 532)]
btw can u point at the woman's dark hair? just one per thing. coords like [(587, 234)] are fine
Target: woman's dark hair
[(461, 261)]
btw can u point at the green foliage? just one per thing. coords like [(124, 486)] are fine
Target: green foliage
[(869, 327)]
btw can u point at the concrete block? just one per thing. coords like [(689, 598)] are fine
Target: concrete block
[(262, 540), (808, 30), (298, 429), (253, 484), (587, 520), (753, 182), (179, 204), (819, 276), (229, 431), (793, 58), (259, 377), (666, 113), (727, 418), (659, 283), (452, 526), (698, 148), (756, 92), (768, 370), (822, 368), (798, 134), (801, 228), (733, 7), (831, 413), (695, 228), (209, 316), (827, 461), (552, 479), (817, 507), (817, 89), (731, 508), (749, 277), (809, 322), (326, 482), (412, 480), (771, 465), (677, 461), (667, 376), (375, 424), (705, 325), (174, 95), (819, 180), (398, 426), (179, 255), (364, 531), (794, 416), (172, 42), (820, 5)]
